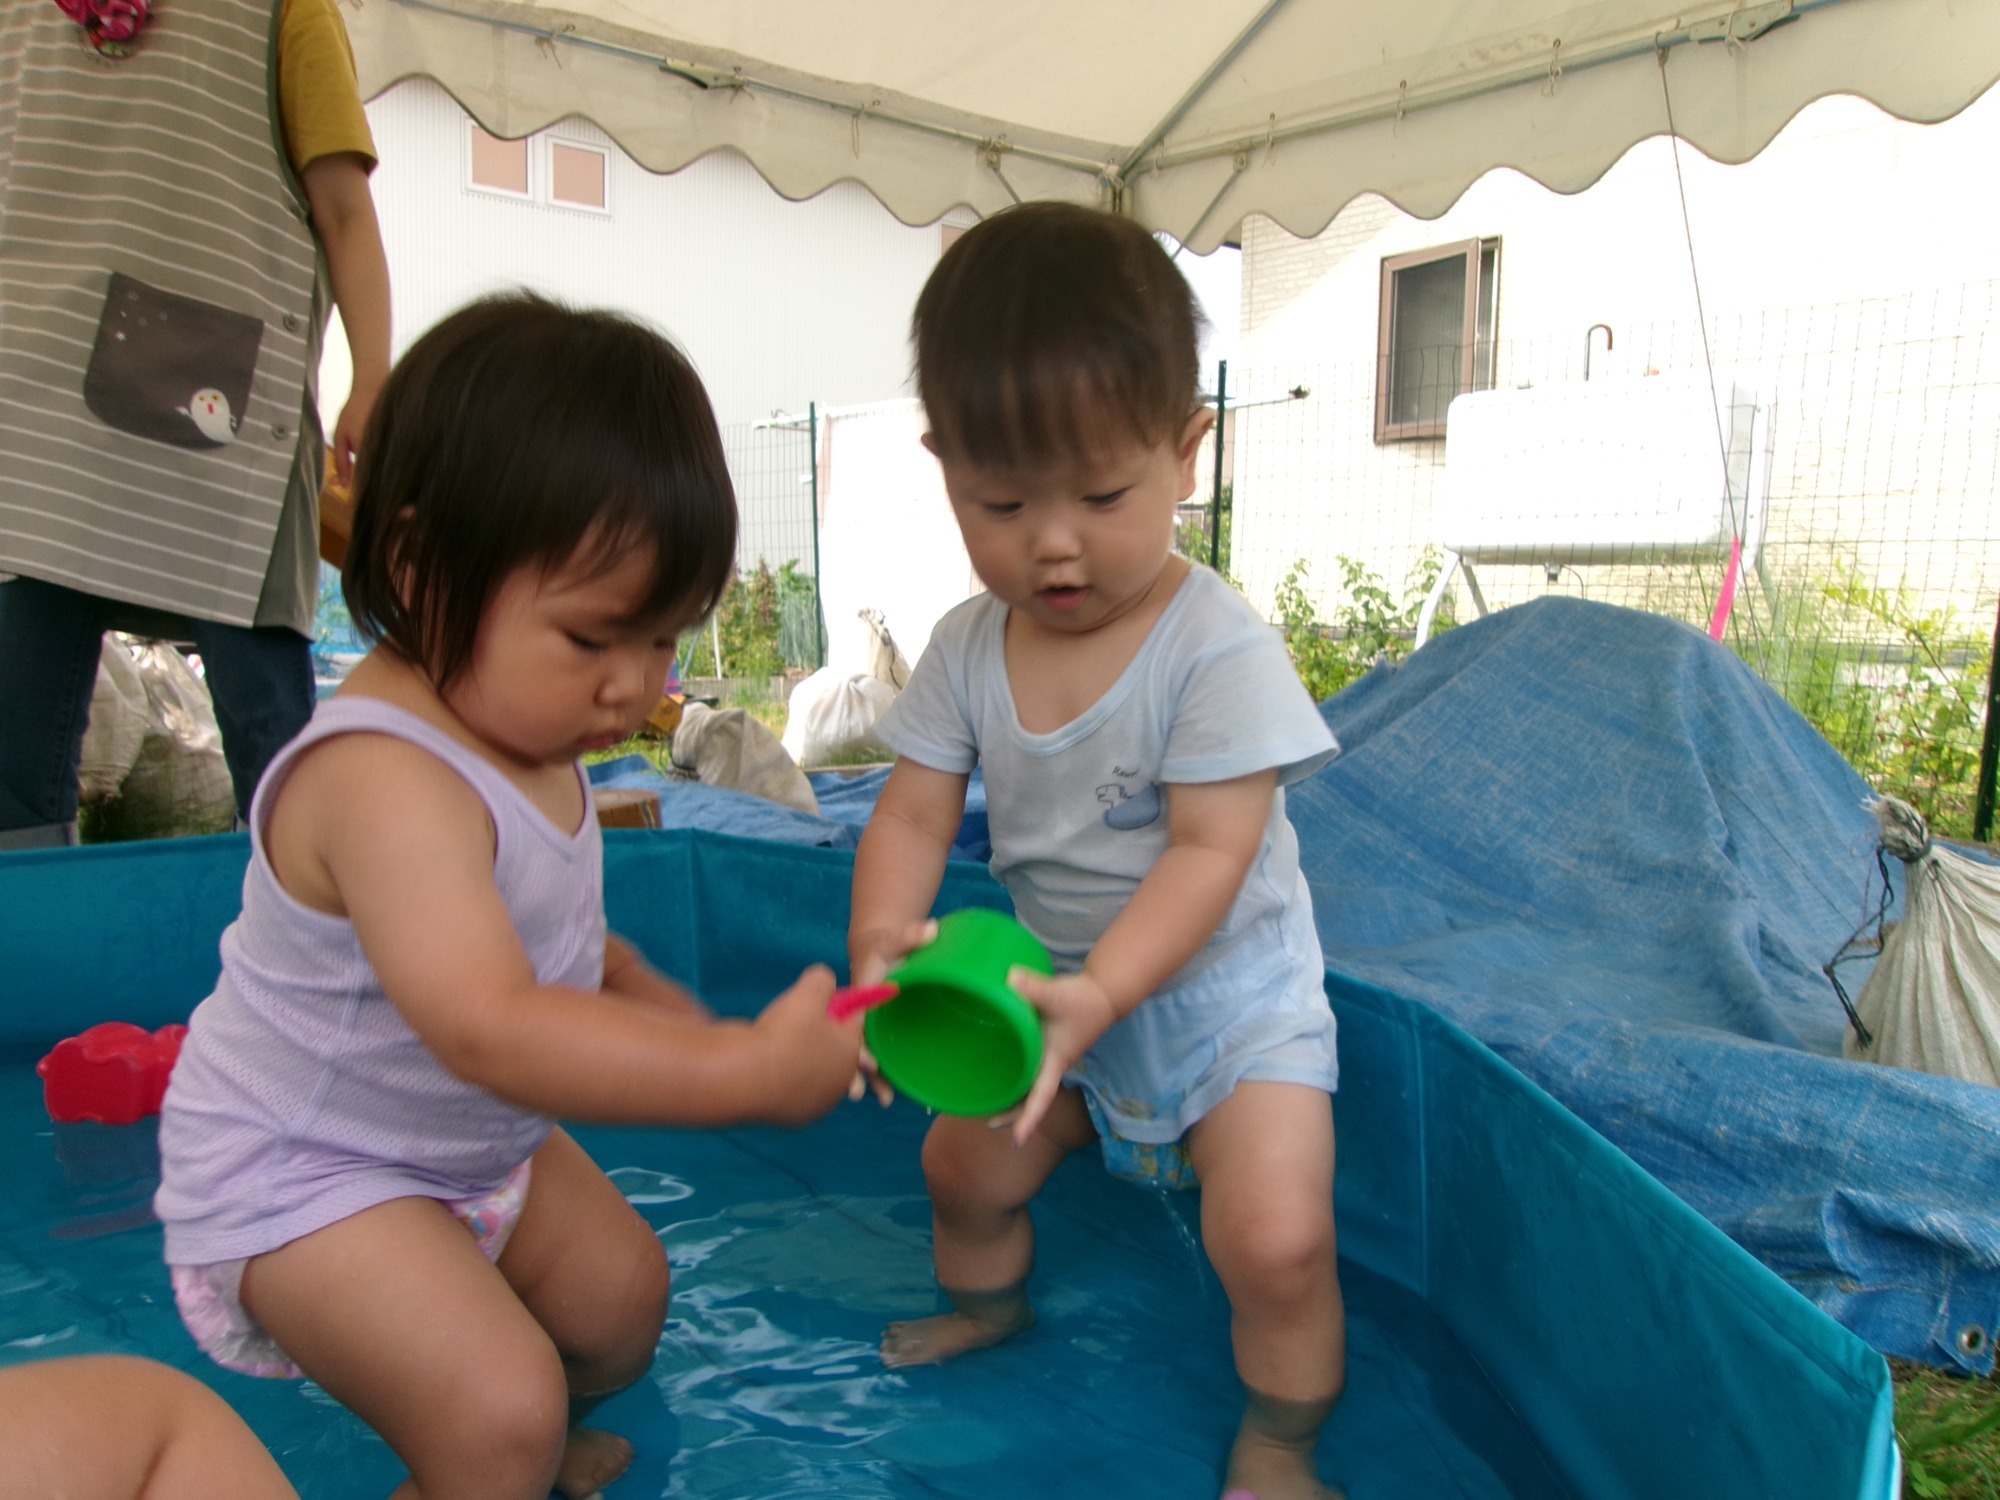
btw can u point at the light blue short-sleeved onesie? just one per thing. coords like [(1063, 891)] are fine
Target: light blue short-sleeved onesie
[(1078, 818)]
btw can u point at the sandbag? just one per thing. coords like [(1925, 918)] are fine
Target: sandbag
[(728, 748), (833, 716), (1933, 1000), (152, 763)]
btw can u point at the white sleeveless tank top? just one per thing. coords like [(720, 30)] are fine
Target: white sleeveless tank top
[(302, 1096)]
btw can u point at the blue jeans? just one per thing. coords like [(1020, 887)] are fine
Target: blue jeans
[(261, 680)]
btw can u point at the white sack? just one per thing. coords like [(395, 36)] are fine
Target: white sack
[(1933, 1000), (833, 716), (120, 719), (152, 755), (728, 748)]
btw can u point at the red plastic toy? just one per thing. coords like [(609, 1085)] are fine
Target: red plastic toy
[(112, 1074)]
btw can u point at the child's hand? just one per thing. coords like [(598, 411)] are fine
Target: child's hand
[(811, 1056), (1075, 1012), (873, 954)]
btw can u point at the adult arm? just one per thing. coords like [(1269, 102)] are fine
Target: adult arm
[(343, 217)]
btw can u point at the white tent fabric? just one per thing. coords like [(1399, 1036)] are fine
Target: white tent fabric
[(1187, 114)]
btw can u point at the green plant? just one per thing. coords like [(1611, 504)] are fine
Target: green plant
[(1191, 538), (1949, 1431), (1899, 691), (767, 621), (1370, 625)]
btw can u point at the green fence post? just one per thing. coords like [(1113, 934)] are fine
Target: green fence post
[(812, 458), (1216, 520)]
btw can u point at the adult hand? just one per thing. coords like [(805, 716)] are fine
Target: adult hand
[(346, 436)]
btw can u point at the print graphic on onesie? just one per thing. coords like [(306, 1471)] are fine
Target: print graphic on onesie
[(1125, 810)]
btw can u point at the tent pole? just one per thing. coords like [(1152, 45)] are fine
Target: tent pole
[(1989, 745), (1174, 116)]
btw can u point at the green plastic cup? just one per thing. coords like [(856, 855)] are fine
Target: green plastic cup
[(956, 1038)]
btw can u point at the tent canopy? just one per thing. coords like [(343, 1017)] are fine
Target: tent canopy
[(1186, 115)]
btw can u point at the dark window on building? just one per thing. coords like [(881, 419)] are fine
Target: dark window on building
[(1435, 337)]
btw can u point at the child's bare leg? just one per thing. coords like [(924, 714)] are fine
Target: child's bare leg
[(980, 1184), (594, 1275), (109, 1427), (398, 1314), (1265, 1158)]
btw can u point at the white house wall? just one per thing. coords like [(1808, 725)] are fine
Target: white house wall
[(1851, 267), (778, 303)]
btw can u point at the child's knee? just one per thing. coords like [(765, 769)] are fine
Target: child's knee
[(515, 1419), (1280, 1253), (966, 1166)]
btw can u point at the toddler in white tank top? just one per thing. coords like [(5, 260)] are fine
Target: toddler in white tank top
[(362, 1181)]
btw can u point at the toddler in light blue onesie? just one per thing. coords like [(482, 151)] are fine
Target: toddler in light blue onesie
[(1078, 819), (1136, 724)]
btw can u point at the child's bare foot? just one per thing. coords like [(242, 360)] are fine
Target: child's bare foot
[(931, 1341), (591, 1460), (1273, 1456), (978, 1319), (1265, 1472)]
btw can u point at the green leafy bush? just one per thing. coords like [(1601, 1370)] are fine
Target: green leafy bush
[(1370, 625), (1899, 691), (768, 621)]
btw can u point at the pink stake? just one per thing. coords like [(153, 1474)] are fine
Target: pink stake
[(852, 1002), (1718, 623)]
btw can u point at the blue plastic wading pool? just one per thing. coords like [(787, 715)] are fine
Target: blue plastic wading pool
[(1530, 1315)]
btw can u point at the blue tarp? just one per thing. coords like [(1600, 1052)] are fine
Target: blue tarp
[(1598, 842), (846, 798)]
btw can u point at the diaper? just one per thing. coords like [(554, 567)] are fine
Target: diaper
[(1304, 1059), (210, 1297)]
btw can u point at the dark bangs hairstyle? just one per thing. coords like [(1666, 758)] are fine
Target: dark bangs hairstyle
[(1050, 333), (522, 433)]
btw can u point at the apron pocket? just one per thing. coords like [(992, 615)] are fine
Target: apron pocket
[(171, 369)]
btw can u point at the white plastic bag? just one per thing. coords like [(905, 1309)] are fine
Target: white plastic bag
[(1933, 1000), (728, 748), (833, 716), (152, 762)]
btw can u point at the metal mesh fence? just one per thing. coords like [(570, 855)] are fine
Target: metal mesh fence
[(774, 597), (1872, 607)]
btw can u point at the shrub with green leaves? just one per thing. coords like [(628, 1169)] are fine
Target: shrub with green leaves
[(1370, 624), (1899, 691), (768, 621)]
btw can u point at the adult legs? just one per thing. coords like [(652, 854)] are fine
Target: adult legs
[(49, 642), (261, 681)]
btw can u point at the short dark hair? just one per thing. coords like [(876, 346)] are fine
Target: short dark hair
[(1049, 330), (516, 433)]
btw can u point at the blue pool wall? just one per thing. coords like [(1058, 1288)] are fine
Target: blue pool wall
[(1648, 1355)]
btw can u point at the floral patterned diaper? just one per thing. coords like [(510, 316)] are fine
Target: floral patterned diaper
[(211, 1297)]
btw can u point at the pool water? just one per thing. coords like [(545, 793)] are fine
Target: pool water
[(790, 1249)]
